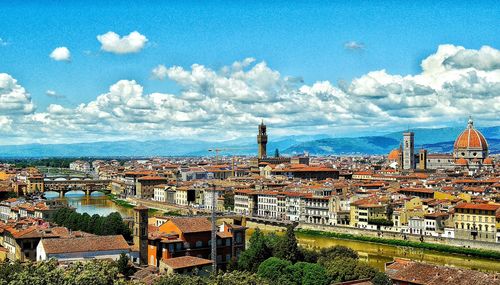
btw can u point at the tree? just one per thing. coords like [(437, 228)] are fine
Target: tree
[(347, 269), (83, 222), (276, 153), (338, 251), (228, 200), (309, 273), (341, 269), (256, 253), (124, 266), (363, 270), (48, 272), (93, 223), (381, 279), (309, 255), (238, 278), (287, 248), (177, 279), (274, 268)]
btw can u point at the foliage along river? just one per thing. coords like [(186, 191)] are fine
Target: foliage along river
[(378, 254), (375, 254)]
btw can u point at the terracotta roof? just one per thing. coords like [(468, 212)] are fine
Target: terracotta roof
[(417, 190), (186, 262), (152, 178), (192, 224), (393, 155), (486, 207), (422, 273), (461, 161), (84, 244)]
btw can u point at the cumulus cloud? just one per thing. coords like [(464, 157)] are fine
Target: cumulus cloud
[(61, 54), (236, 97), (13, 97), (131, 43), (354, 45)]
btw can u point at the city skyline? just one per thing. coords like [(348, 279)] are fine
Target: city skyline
[(95, 73)]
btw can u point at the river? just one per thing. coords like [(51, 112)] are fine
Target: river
[(378, 254), (96, 203), (375, 254)]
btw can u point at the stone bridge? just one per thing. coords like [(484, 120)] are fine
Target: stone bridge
[(86, 185)]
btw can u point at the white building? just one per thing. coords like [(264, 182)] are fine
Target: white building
[(293, 206), (267, 204), (209, 195), (80, 165), (160, 193), (416, 225), (316, 210), (244, 202)]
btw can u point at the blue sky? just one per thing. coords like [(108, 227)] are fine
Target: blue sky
[(317, 41)]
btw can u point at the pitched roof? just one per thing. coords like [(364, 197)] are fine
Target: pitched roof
[(192, 224), (84, 244), (422, 273), (486, 207), (186, 261)]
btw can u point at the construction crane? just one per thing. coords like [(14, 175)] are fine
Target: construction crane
[(218, 150)]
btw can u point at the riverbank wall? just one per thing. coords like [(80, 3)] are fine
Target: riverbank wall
[(396, 236)]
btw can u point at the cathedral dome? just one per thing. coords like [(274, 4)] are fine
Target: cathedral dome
[(393, 155), (488, 161), (471, 139)]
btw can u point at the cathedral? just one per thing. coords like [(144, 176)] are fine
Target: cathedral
[(470, 151)]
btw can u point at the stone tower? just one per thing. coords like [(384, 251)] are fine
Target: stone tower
[(408, 151), (422, 161), (262, 141), (141, 233)]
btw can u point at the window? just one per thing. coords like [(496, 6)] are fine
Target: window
[(228, 242), (199, 243)]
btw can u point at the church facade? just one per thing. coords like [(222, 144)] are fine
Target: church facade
[(470, 151)]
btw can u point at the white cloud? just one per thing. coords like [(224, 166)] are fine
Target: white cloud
[(13, 97), (236, 97), (112, 42), (61, 54), (354, 45), (53, 94)]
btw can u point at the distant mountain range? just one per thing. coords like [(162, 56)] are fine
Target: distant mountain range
[(435, 140), (439, 140)]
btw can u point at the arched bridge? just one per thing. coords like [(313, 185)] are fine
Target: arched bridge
[(86, 185)]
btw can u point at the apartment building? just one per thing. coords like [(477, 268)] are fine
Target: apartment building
[(476, 221)]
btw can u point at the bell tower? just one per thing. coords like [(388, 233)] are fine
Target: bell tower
[(408, 151), (262, 141), (141, 233)]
